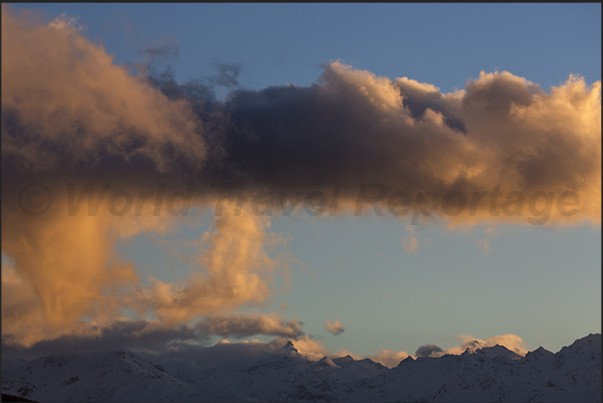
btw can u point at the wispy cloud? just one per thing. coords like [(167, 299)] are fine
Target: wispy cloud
[(228, 74), (410, 243), (335, 328), (483, 245)]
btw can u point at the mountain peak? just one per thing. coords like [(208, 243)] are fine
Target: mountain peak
[(343, 360), (326, 361), (588, 344), (498, 350), (407, 360), (538, 354), (288, 348)]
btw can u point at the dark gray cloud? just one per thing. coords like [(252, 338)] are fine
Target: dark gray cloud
[(151, 336), (124, 334), (428, 349), (240, 326)]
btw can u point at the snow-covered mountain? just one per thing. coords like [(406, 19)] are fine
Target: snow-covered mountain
[(494, 374), (487, 374), (117, 376)]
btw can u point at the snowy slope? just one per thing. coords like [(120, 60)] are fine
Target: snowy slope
[(573, 374), (488, 374), (116, 376)]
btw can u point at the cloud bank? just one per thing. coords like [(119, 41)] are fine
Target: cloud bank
[(353, 127)]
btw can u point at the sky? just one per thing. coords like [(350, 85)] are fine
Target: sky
[(415, 97)]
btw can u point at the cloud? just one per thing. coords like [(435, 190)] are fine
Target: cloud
[(193, 342), (64, 99), (489, 231), (60, 271), (483, 245), (411, 245), (140, 334), (428, 350), (410, 242), (237, 271), (389, 358), (355, 127), (240, 326), (335, 328), (120, 334), (310, 348), (227, 75), (352, 127), (232, 354)]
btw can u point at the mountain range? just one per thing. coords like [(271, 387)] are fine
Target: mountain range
[(488, 374)]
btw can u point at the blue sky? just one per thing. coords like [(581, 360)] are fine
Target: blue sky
[(442, 44), (541, 283)]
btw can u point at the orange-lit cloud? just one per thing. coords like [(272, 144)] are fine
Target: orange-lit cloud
[(389, 358), (410, 243), (66, 91), (335, 328), (234, 270), (310, 348), (60, 271)]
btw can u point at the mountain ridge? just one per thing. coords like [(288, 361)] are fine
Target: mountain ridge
[(487, 374)]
